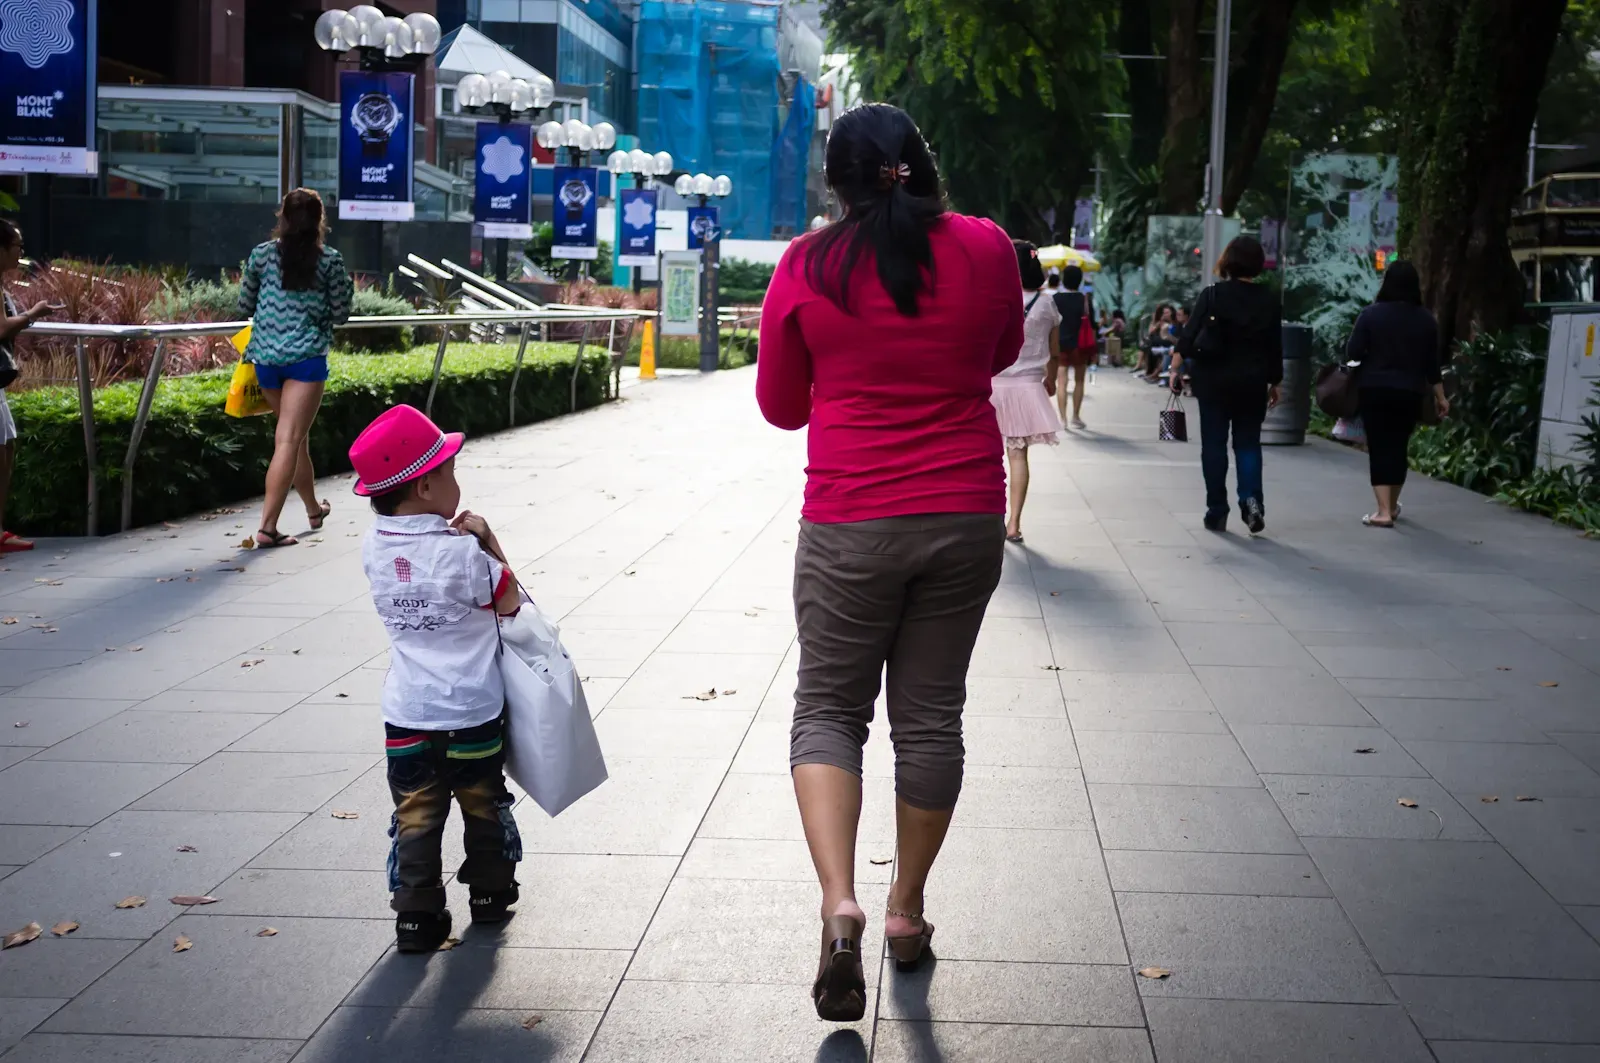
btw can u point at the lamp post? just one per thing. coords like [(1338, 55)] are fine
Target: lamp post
[(1211, 238), (644, 168), (579, 138), (709, 232), (505, 98)]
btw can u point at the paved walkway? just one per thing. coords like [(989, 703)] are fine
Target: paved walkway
[(1186, 751)]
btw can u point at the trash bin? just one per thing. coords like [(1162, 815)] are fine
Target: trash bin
[(1286, 423)]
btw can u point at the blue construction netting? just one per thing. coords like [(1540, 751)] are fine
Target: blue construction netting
[(791, 157), (708, 93)]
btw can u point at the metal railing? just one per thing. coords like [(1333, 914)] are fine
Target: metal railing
[(524, 319)]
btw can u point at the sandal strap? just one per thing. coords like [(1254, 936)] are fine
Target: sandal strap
[(902, 915)]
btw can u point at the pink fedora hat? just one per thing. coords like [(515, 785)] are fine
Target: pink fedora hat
[(401, 445)]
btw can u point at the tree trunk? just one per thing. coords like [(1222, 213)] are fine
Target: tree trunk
[(1147, 100), (1462, 165), (1183, 143), (1253, 90)]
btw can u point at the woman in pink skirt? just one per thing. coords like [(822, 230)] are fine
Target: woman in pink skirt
[(1022, 393)]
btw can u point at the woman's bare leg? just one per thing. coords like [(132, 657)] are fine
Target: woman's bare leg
[(296, 407), (1079, 373), (1018, 459), (830, 811)]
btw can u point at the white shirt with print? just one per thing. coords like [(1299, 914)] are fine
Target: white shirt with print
[(435, 591)]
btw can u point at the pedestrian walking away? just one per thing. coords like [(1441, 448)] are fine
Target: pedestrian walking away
[(1232, 349), (1078, 344), (294, 288), (1022, 391), (1396, 343), (12, 322), (882, 332), (439, 580)]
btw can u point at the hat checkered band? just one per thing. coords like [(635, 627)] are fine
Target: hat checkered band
[(409, 471)]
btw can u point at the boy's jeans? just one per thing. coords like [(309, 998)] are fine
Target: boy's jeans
[(1242, 415), (425, 769)]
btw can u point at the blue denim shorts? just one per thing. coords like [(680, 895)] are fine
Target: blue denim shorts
[(309, 370)]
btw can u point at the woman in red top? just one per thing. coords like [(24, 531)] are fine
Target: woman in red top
[(881, 332)]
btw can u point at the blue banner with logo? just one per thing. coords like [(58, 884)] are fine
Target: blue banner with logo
[(48, 54), (704, 227), (375, 120), (577, 210), (504, 201), (638, 246)]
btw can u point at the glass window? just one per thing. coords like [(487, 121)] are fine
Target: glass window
[(1571, 192), (319, 155), (198, 150), (1566, 279)]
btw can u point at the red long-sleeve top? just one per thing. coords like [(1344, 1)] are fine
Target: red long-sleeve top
[(898, 407)]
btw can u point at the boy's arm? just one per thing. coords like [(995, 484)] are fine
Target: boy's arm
[(508, 592)]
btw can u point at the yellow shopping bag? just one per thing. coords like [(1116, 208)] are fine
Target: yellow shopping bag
[(244, 393)]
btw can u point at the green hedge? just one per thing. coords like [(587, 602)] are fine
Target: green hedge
[(194, 457)]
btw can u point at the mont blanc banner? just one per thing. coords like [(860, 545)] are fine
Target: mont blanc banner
[(375, 118), (638, 246), (48, 53), (577, 194), (505, 181), (705, 227)]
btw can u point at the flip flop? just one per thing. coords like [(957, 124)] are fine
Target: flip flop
[(274, 539), (11, 542), (1371, 520), (321, 515)]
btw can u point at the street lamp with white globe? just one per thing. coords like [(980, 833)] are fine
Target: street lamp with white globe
[(505, 99), (644, 168), (705, 229)]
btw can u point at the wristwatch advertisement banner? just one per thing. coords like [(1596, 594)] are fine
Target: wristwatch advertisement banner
[(638, 247), (705, 227), (503, 204), (577, 209), (375, 121), (48, 55)]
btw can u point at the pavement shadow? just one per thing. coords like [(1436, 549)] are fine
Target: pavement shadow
[(910, 993), (842, 1046)]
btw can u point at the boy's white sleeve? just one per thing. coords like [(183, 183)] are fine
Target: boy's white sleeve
[(486, 577)]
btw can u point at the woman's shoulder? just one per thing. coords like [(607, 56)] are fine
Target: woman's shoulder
[(265, 250), (331, 255), (965, 227)]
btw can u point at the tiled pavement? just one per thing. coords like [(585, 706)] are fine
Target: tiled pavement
[(1186, 751)]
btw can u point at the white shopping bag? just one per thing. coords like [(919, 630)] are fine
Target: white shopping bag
[(552, 751)]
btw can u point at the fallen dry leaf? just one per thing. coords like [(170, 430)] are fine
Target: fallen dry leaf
[(1366, 749), (1406, 802), (252, 664), (182, 943), (8, 620), (61, 930), (191, 579), (189, 900), (531, 1021), (168, 524), (341, 695), (1154, 972), (1051, 667), (1521, 797), (187, 849), (1501, 668), (1488, 800), (1549, 683), (880, 863), (247, 543), (236, 568), (341, 814), (448, 943), (164, 579), (704, 695), (22, 723), (267, 932), (48, 582), (131, 902), (746, 614), (135, 649), (1055, 594), (23, 936), (47, 629), (209, 516), (729, 693)]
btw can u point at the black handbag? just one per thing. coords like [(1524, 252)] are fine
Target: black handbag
[(8, 359), (1338, 393), (1173, 424)]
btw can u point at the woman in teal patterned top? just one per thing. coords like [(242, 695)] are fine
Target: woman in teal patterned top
[(294, 290)]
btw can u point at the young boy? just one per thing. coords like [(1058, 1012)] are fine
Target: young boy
[(439, 581)]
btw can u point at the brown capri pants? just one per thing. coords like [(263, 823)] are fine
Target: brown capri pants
[(909, 593)]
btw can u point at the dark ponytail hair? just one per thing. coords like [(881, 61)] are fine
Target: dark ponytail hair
[(880, 168), (301, 227)]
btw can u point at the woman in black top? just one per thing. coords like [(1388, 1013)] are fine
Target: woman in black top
[(1396, 340), (1237, 382), (1073, 304)]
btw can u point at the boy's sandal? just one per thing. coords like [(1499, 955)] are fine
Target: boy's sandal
[(268, 540), (320, 515), (909, 949), (1371, 520)]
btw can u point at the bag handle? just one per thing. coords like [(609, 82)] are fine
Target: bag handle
[(1175, 402)]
